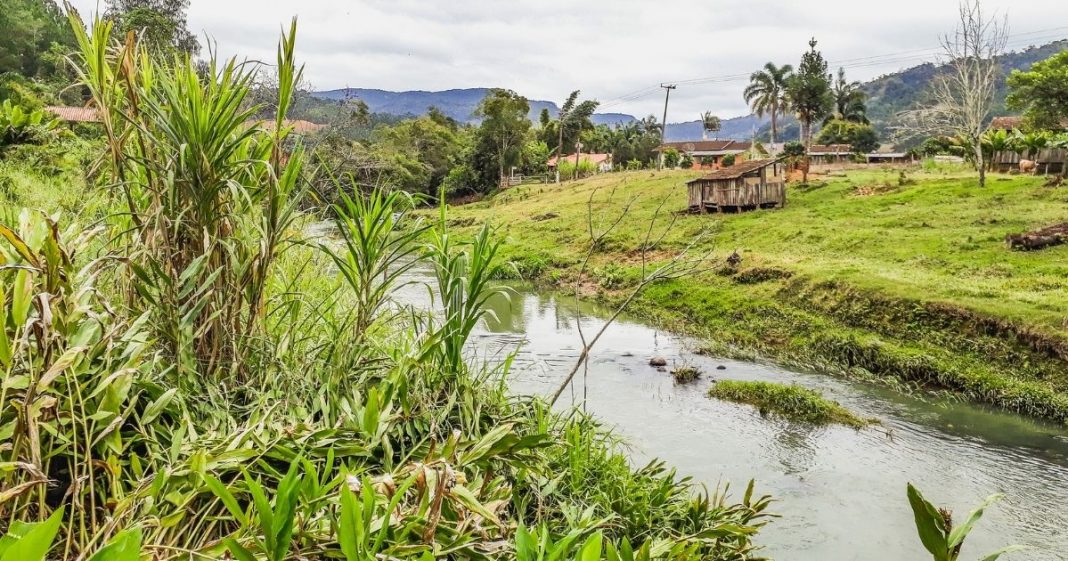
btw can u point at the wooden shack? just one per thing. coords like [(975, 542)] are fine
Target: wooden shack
[(745, 186)]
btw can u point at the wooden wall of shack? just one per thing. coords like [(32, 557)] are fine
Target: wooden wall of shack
[(755, 189), (1048, 160)]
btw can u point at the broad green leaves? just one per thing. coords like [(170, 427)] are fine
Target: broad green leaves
[(938, 535), (30, 541)]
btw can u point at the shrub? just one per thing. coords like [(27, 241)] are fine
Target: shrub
[(686, 161), (22, 126), (671, 158), (585, 168), (729, 160), (794, 149)]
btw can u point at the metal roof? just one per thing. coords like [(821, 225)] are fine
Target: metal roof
[(737, 170)]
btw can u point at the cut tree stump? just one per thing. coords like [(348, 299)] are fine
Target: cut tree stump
[(1039, 239)]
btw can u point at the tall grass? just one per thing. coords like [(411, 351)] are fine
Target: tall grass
[(186, 381)]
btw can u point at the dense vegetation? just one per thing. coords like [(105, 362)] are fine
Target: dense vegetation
[(180, 378)]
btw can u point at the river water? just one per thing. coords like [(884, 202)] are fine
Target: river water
[(841, 492)]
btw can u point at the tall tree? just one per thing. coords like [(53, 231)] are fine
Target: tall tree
[(574, 116), (709, 124), (766, 93), (1042, 92), (31, 29), (849, 100), (161, 24), (503, 128), (809, 91), (963, 95)]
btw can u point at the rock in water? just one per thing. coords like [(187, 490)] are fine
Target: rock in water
[(721, 367), (658, 361)]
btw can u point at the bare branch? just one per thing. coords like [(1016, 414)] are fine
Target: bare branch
[(962, 95), (683, 263)]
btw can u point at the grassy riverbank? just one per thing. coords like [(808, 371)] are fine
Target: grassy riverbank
[(861, 272)]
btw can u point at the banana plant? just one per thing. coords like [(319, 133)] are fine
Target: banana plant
[(936, 530), (19, 126)]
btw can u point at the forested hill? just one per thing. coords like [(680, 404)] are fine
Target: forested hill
[(458, 104), (737, 128), (893, 93)]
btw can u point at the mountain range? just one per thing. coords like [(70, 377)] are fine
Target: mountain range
[(887, 95), (459, 104)]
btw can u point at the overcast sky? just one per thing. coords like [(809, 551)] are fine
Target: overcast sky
[(606, 48)]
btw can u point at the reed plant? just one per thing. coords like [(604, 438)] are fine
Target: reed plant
[(191, 379)]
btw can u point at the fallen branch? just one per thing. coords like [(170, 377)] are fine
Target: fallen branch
[(1039, 239)]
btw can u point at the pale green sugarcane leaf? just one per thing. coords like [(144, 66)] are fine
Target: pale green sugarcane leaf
[(34, 540), (125, 546)]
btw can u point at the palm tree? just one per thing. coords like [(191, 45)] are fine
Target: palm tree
[(766, 93), (848, 100), (573, 118), (709, 123)]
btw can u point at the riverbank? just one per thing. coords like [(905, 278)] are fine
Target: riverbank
[(863, 273)]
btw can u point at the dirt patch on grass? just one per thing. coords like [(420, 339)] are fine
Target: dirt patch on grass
[(544, 217), (758, 275), (873, 190)]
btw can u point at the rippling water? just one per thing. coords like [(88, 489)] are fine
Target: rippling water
[(841, 493)]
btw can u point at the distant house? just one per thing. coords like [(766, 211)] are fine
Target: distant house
[(819, 154), (744, 186), (602, 161), (709, 154), (887, 155), (74, 114), (1007, 124)]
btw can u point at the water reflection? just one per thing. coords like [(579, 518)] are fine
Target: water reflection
[(841, 492)]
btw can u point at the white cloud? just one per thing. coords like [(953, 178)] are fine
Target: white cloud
[(607, 48)]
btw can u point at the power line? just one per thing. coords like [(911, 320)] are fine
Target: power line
[(911, 55)]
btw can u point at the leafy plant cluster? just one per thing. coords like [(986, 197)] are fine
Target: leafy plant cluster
[(193, 377)]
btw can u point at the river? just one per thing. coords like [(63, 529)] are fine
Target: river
[(841, 492)]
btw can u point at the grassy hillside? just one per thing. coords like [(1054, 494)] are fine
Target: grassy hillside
[(862, 274)]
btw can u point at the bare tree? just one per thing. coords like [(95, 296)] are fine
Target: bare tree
[(963, 94), (685, 261)]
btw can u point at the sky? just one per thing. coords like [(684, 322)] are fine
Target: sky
[(615, 51)]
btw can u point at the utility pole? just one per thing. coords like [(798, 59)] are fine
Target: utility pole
[(663, 124)]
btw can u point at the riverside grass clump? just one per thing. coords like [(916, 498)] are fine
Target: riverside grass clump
[(914, 286), (182, 380), (795, 403)]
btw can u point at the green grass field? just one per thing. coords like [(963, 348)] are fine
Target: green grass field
[(862, 272)]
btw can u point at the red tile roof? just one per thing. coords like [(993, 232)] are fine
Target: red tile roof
[(707, 146), (74, 114), (1014, 122), (1006, 123)]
